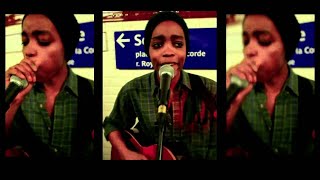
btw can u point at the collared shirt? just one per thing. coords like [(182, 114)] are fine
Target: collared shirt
[(139, 99), (277, 132), (58, 130)]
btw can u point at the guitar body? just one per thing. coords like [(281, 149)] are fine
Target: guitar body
[(16, 153), (149, 151)]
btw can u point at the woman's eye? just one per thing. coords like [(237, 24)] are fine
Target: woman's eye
[(24, 43), (265, 42), (178, 44), (156, 45), (264, 39), (44, 43), (245, 41)]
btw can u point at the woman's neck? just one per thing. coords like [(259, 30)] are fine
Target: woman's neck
[(276, 84), (57, 81)]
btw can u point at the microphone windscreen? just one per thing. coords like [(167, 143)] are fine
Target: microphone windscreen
[(241, 83), (166, 69), (22, 83)]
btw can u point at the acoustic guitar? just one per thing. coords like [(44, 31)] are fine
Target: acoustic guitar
[(149, 151)]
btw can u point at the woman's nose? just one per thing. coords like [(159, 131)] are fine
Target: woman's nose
[(250, 50), (168, 50), (29, 50)]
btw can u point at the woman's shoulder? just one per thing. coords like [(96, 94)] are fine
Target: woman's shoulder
[(207, 82), (138, 83), (82, 80)]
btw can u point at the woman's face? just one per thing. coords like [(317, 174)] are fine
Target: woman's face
[(168, 46), (263, 44), (42, 44)]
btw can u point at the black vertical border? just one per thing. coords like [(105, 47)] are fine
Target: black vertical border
[(221, 81), (317, 55), (98, 38), (2, 83)]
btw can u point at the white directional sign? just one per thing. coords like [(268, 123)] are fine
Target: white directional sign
[(122, 40)]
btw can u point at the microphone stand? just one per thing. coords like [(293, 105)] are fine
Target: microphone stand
[(166, 73), (162, 121)]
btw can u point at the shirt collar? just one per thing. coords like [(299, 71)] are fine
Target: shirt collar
[(71, 83), (291, 84)]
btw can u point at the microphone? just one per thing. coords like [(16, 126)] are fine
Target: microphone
[(236, 85), (166, 73), (15, 86)]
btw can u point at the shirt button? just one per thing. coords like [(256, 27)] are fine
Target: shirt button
[(41, 105), (270, 128), (261, 106), (55, 150), (276, 150), (49, 128)]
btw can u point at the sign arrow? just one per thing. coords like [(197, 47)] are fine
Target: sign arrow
[(120, 41)]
